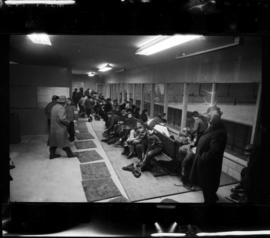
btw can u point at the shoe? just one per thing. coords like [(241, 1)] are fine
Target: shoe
[(130, 155), (69, 152), (54, 156), (129, 167), (119, 142), (187, 185), (237, 189), (137, 173)]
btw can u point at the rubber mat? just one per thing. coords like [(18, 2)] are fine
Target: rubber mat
[(88, 156), (85, 144), (84, 136), (94, 171), (100, 189)]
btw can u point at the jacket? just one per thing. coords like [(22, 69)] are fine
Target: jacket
[(206, 169), (58, 131)]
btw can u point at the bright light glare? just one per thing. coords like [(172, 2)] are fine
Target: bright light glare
[(234, 233), (173, 226), (167, 234), (40, 38), (91, 74), (158, 227), (49, 2), (167, 43), (104, 67), (150, 40)]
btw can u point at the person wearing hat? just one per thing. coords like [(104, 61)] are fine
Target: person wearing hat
[(58, 137), (207, 165)]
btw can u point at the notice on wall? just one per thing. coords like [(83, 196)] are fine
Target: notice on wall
[(44, 94)]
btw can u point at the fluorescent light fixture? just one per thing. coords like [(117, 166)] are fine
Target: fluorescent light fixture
[(234, 233), (40, 38), (168, 234), (46, 2), (104, 67), (158, 227), (150, 40), (173, 226), (91, 74), (165, 42)]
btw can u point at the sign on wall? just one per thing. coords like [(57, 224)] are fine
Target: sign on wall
[(44, 94)]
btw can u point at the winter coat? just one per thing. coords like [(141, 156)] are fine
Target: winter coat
[(206, 169), (58, 131)]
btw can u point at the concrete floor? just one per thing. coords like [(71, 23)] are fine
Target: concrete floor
[(38, 179)]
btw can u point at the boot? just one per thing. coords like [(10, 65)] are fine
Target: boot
[(126, 151), (53, 155), (69, 152)]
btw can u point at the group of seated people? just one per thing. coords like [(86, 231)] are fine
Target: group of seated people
[(140, 138)]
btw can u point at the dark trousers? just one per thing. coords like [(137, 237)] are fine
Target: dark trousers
[(209, 196), (71, 131), (140, 149), (187, 165), (150, 154), (88, 111)]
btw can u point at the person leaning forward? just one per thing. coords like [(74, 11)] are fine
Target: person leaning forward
[(58, 137)]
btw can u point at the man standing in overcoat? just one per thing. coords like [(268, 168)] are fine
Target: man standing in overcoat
[(206, 169), (58, 131)]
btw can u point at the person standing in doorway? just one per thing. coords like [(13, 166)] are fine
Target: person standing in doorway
[(58, 137)]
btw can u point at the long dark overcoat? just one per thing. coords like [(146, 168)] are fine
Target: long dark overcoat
[(206, 169), (58, 131)]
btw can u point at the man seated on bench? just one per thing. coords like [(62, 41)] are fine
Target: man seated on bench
[(113, 119), (154, 147), (162, 128), (135, 144), (156, 120), (128, 123)]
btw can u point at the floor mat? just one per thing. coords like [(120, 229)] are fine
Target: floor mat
[(85, 144), (94, 171), (88, 156), (146, 186), (100, 189), (84, 136)]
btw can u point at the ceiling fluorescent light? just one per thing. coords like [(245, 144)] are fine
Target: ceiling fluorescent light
[(91, 74), (104, 67), (166, 43), (150, 40), (40, 38), (47, 2)]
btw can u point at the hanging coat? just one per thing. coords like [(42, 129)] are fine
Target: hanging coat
[(58, 131), (206, 169)]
